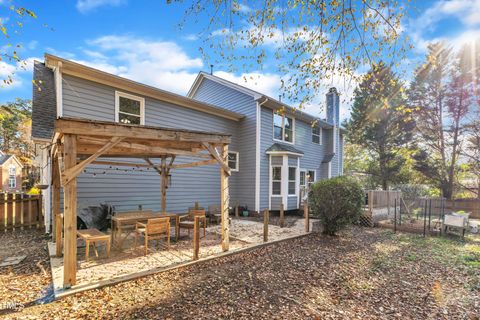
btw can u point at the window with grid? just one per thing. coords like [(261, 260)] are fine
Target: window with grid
[(292, 180), (233, 160), (276, 180), (283, 128), (316, 134)]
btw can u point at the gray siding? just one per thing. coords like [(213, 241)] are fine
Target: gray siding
[(292, 203), (225, 97), (311, 160), (127, 190)]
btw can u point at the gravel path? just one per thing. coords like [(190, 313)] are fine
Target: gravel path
[(362, 274)]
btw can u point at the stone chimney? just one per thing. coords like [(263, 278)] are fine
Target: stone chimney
[(333, 107)]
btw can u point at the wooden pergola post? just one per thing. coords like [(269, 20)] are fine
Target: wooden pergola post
[(224, 198), (70, 214), (164, 184)]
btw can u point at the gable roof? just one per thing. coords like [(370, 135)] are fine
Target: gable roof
[(4, 158), (81, 71), (267, 101)]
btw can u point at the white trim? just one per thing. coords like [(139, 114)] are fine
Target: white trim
[(119, 94), (281, 153), (58, 89), (258, 133), (284, 182), (320, 132), (329, 173), (288, 181), (281, 179), (231, 85), (298, 184), (269, 182), (237, 162), (340, 159), (283, 128)]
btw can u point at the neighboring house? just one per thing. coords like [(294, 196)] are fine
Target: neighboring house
[(272, 155), (10, 173)]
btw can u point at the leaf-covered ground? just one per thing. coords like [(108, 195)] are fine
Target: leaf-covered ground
[(362, 274)]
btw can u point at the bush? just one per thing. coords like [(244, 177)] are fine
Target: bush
[(337, 202), (34, 191)]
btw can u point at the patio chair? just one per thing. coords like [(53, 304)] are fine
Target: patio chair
[(214, 214), (188, 222), (156, 228)]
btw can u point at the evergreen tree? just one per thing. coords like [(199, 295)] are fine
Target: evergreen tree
[(382, 124), (441, 95)]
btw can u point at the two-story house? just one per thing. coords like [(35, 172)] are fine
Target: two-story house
[(10, 173), (275, 149)]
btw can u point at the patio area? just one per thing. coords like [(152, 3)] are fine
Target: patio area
[(130, 262)]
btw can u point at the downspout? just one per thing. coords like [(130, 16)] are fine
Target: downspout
[(257, 155)]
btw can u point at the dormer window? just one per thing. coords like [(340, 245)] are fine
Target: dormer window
[(283, 128), (129, 109)]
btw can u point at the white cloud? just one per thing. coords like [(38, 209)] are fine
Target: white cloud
[(467, 12), (266, 83), (85, 6), (14, 71)]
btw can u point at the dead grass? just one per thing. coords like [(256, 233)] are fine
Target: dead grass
[(362, 274)]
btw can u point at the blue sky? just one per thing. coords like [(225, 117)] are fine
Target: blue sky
[(141, 40)]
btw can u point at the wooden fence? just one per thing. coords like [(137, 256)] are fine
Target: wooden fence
[(18, 210), (382, 199), (467, 205)]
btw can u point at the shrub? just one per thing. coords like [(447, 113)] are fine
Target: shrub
[(337, 202), (34, 191)]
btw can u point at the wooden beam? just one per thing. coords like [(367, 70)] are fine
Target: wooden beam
[(70, 215), (73, 172), (194, 164), (145, 142), (121, 164), (126, 149), (224, 199), (150, 162), (216, 156), (164, 184), (106, 129)]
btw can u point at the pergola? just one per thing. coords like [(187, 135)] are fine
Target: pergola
[(78, 143)]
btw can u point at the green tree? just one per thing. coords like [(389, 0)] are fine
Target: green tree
[(441, 96), (381, 124), (15, 126), (310, 42)]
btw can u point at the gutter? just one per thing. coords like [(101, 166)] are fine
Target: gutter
[(257, 153)]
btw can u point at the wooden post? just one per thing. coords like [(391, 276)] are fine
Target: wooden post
[(164, 184), (282, 215), (266, 217), (237, 215), (388, 204), (307, 216), (22, 219), (14, 211), (196, 238), (70, 214), (224, 198), (58, 234), (30, 212)]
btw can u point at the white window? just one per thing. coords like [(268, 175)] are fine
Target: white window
[(283, 128), (12, 177), (317, 134), (292, 181), (302, 178), (129, 109), (233, 160), (276, 180)]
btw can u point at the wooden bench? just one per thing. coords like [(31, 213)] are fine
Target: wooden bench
[(92, 236)]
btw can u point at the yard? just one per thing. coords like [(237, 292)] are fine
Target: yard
[(362, 274)]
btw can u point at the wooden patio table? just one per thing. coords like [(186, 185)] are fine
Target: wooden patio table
[(123, 222)]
